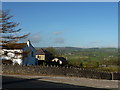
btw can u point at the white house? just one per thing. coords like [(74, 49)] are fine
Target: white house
[(20, 53)]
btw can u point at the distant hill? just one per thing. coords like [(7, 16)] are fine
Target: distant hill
[(75, 50)]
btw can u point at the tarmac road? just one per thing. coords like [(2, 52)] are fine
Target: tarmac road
[(23, 81)]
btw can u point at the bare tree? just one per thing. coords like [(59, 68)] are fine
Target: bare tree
[(8, 29)]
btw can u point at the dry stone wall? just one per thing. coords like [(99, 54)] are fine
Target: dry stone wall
[(60, 71)]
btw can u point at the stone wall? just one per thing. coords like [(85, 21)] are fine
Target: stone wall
[(60, 71)]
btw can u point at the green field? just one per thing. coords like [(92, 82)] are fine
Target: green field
[(105, 59)]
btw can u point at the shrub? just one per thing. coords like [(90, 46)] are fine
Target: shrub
[(7, 62)]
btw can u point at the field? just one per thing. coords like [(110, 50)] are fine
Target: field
[(97, 58)]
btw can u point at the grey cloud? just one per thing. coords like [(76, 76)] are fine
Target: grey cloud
[(96, 42), (34, 38), (59, 40), (56, 33)]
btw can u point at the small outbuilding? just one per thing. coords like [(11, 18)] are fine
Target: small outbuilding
[(60, 61)]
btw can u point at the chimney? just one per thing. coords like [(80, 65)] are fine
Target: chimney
[(28, 43)]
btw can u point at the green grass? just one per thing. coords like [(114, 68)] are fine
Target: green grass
[(92, 62), (95, 58), (110, 69)]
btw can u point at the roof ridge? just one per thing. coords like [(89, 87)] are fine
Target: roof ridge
[(42, 50), (14, 45)]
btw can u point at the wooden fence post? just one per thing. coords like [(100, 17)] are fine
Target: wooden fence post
[(112, 76)]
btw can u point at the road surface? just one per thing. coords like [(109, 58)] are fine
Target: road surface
[(25, 81)]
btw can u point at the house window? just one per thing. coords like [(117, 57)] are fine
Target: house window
[(32, 54), (37, 56), (5, 53)]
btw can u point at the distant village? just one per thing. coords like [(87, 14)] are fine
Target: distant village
[(26, 54)]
